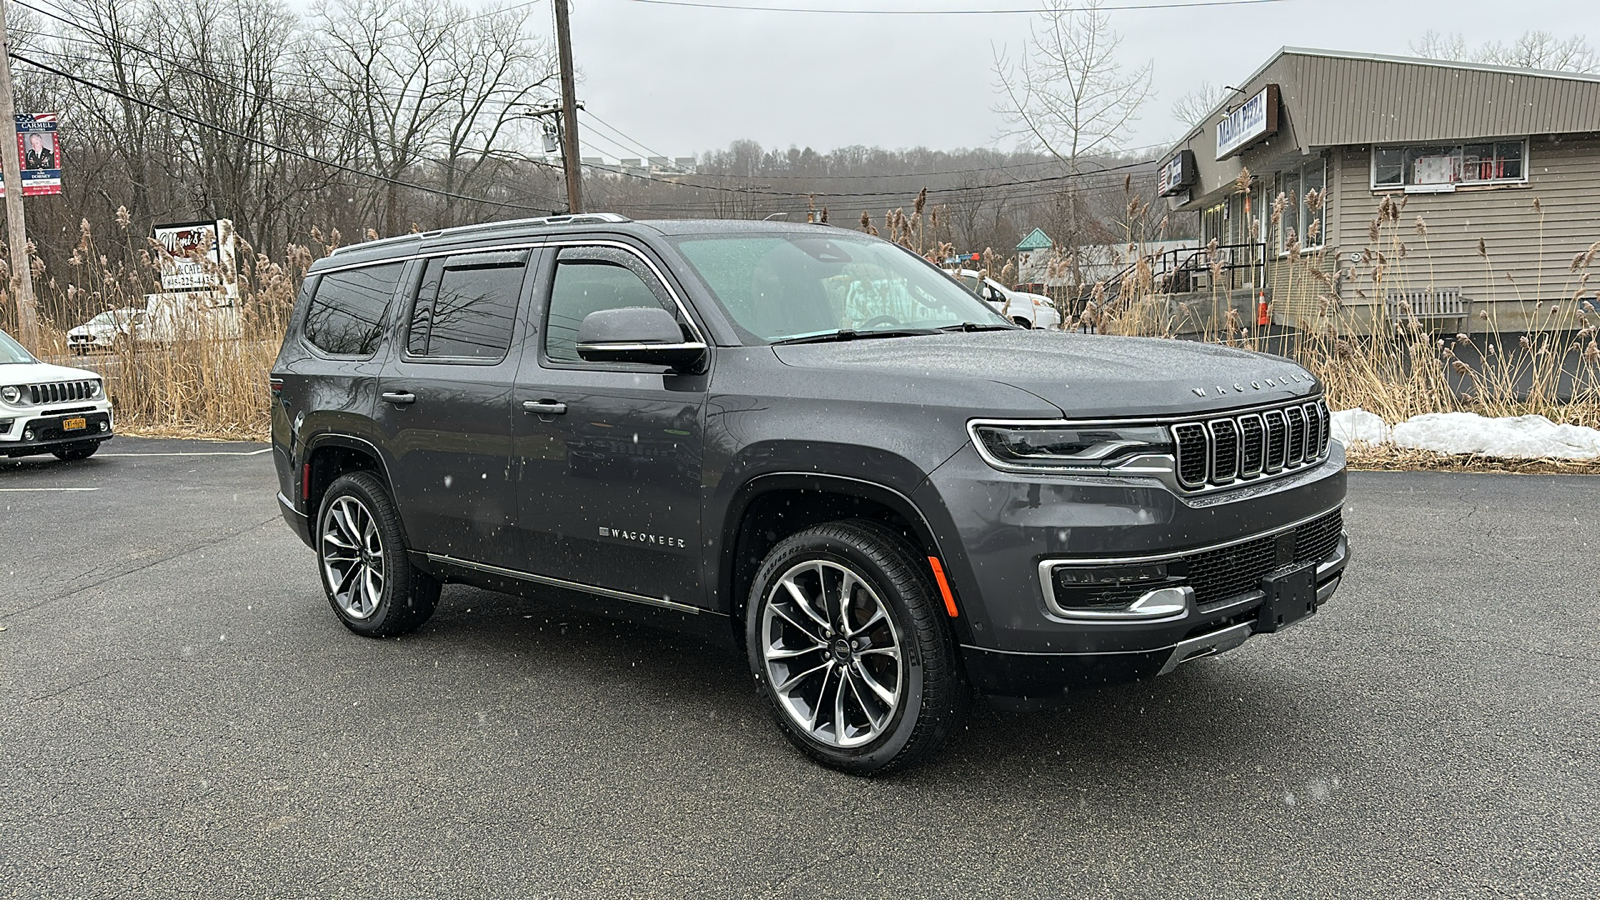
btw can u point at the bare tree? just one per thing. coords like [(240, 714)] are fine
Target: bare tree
[(1194, 106), (1069, 94), (1533, 50)]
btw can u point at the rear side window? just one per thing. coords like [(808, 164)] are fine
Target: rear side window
[(347, 312), (467, 306)]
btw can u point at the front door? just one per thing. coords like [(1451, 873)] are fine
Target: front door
[(445, 405), (609, 455)]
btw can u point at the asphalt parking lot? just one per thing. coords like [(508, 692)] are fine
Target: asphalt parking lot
[(181, 715)]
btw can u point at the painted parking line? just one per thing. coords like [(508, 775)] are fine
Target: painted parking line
[(43, 490), (197, 453)]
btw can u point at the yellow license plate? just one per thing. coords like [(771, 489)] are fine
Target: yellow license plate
[(77, 424)]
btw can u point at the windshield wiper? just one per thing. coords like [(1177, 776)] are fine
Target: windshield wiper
[(848, 334), (980, 326)]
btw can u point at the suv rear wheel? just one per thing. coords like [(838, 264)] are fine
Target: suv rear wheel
[(361, 555), (847, 646)]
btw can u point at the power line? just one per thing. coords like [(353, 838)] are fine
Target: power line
[(298, 154), (696, 4)]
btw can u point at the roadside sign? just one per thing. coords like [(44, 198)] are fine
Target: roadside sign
[(39, 151)]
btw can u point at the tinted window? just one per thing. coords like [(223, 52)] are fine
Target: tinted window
[(590, 279), (348, 311), (467, 306)]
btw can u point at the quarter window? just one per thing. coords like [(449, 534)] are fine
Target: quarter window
[(1441, 167), (348, 310), (467, 306), (591, 279)]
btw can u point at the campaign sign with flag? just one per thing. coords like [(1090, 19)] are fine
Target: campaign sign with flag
[(40, 155)]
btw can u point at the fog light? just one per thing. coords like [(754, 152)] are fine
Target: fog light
[(27, 434), (105, 426)]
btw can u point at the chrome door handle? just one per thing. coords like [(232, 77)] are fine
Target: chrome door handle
[(399, 398), (544, 407)]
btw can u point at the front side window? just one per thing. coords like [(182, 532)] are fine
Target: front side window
[(1441, 167), (467, 306), (589, 280), (348, 310), (786, 286)]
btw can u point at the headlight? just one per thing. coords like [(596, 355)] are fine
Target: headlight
[(94, 389), (1070, 447), (10, 394)]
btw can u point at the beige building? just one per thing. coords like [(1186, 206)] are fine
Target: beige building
[(1487, 178)]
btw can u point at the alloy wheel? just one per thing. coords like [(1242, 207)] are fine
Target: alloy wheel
[(352, 557), (832, 653)]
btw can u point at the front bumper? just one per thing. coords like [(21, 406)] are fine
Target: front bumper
[(1013, 527), (24, 434), (1036, 675)]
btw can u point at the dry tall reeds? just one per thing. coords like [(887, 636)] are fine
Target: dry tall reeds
[(205, 377)]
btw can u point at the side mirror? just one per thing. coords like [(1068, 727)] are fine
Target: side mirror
[(640, 334)]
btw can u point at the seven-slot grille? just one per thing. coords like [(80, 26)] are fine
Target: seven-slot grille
[(58, 391), (1226, 449)]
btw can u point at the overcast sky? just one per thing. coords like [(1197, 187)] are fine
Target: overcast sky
[(681, 81)]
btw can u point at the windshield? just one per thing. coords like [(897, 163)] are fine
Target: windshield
[(11, 351), (785, 286)]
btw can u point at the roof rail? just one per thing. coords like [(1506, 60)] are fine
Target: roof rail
[(375, 243), (603, 218)]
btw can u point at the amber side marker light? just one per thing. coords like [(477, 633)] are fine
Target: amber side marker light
[(944, 586)]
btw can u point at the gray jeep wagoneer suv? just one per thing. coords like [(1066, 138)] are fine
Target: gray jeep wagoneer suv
[(803, 439)]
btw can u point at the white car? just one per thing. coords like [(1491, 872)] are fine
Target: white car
[(49, 409), (103, 331), (1031, 310)]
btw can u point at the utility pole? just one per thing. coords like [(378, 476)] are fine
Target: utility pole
[(11, 168), (569, 112)]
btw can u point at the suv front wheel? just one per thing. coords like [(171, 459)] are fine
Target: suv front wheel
[(847, 646), (361, 555)]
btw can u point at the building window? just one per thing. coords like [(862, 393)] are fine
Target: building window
[(1423, 168), (1302, 211)]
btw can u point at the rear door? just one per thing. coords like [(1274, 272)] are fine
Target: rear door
[(444, 403), (610, 454)]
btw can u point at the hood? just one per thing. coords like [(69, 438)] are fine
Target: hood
[(1085, 376), (34, 373)]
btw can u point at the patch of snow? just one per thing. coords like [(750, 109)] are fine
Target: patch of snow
[(1510, 437), (1519, 437), (1357, 426)]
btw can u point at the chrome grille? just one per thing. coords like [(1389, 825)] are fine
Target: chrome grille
[(1226, 449), (1192, 452), (1277, 439), (1297, 434), (1252, 445), (58, 391)]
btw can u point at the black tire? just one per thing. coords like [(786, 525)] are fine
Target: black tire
[(74, 452), (404, 596), (1021, 321), (930, 686)]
